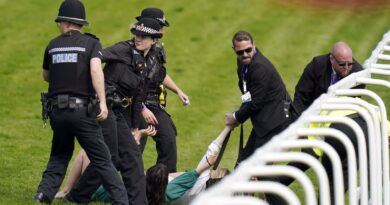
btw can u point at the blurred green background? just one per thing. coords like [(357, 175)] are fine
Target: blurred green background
[(200, 60)]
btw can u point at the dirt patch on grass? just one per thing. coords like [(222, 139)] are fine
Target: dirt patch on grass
[(340, 3)]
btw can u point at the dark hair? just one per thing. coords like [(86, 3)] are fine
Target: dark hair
[(156, 183), (242, 36)]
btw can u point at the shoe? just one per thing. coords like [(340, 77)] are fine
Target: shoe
[(41, 198)]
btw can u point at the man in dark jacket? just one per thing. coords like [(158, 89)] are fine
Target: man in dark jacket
[(264, 98), (322, 72)]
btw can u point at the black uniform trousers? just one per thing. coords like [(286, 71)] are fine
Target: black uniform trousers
[(67, 124), (326, 162), (165, 138), (128, 159)]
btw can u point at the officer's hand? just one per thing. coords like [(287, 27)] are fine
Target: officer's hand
[(149, 116), (230, 120), (183, 97), (103, 112)]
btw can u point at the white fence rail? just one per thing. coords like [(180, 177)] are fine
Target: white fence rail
[(339, 97)]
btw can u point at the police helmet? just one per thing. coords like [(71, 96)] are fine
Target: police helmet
[(147, 27), (72, 11), (155, 13)]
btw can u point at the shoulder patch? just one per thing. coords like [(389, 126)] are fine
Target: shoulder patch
[(91, 35)]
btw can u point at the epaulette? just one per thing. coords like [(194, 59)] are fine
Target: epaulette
[(93, 36), (131, 43), (162, 55)]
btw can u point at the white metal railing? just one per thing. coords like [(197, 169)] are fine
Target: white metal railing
[(339, 97)]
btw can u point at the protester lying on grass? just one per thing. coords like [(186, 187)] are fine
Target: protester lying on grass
[(179, 187), (81, 162)]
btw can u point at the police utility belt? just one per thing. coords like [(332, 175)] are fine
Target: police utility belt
[(64, 102), (152, 100), (68, 102), (114, 100)]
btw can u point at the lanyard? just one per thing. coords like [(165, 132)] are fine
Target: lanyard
[(244, 71)]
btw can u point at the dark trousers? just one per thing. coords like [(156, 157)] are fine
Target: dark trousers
[(67, 124), (255, 141), (341, 151), (165, 139), (336, 144), (128, 160)]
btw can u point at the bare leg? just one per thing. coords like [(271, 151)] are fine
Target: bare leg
[(80, 163)]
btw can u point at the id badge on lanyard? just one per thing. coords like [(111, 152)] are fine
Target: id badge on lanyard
[(246, 97)]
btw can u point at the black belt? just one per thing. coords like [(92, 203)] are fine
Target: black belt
[(70, 102), (152, 100)]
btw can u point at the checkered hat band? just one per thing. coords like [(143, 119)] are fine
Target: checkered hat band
[(146, 29)]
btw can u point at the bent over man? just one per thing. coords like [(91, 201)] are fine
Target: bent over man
[(322, 72)]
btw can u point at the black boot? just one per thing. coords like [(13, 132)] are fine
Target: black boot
[(41, 198)]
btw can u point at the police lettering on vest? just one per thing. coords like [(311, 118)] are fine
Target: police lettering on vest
[(65, 58)]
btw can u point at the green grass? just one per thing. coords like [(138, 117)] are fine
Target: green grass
[(200, 60)]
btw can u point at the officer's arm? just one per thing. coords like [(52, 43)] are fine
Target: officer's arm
[(98, 84), (171, 85), (45, 75), (98, 78)]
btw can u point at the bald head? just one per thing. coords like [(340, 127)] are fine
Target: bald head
[(341, 50), (341, 58)]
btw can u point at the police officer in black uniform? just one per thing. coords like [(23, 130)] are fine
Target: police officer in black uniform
[(153, 110), (72, 67), (124, 81)]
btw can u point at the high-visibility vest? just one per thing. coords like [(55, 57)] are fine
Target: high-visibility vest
[(327, 124)]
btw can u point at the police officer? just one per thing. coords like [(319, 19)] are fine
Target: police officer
[(72, 67), (153, 110), (123, 78)]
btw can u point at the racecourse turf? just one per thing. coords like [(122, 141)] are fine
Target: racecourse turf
[(200, 60)]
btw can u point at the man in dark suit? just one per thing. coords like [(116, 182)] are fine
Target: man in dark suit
[(265, 99), (322, 72)]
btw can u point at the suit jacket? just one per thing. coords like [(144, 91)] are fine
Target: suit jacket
[(315, 81), (268, 94)]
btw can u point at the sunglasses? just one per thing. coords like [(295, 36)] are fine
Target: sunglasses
[(343, 64), (241, 52)]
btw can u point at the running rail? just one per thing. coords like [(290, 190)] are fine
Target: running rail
[(377, 64), (362, 148)]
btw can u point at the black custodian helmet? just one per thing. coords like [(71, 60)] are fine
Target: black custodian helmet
[(147, 27), (72, 11), (154, 13)]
